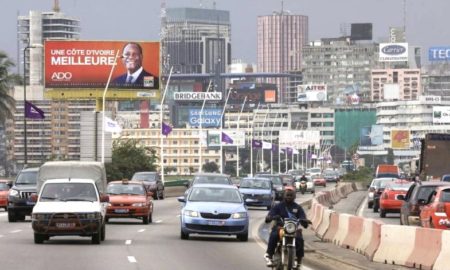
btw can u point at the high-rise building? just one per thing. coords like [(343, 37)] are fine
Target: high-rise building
[(396, 84), (195, 40), (343, 65), (281, 37), (33, 30)]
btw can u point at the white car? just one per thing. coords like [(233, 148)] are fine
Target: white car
[(69, 207), (310, 186)]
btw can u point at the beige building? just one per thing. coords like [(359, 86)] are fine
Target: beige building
[(395, 84)]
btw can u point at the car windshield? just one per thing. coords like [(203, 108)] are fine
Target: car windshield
[(445, 195), (4, 186), (203, 179), (276, 180), (125, 189), (255, 183), (149, 177), (68, 192), (400, 186), (210, 194), (27, 178), (314, 170)]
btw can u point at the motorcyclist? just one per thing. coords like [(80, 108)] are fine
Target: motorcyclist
[(303, 178), (285, 209)]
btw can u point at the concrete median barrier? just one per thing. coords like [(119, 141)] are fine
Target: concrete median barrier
[(333, 228), (355, 232), (442, 261), (426, 249), (370, 239), (396, 244), (174, 191), (325, 224), (342, 230)]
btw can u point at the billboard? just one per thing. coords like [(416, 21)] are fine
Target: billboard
[(209, 117), (441, 114), (400, 139), (361, 31), (88, 64), (393, 52), (439, 53), (391, 91), (197, 96), (396, 34), (299, 139), (257, 95), (371, 135), (238, 137), (312, 92)]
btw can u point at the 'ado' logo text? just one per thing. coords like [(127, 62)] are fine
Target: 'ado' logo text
[(61, 76)]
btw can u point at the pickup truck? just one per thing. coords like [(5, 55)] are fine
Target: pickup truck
[(69, 207)]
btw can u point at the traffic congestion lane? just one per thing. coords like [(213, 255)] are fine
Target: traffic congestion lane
[(364, 211)]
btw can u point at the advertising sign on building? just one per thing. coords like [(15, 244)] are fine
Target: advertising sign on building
[(256, 95), (238, 137), (430, 99), (396, 34), (197, 96), (400, 138), (372, 135), (393, 52), (439, 53), (441, 114), (209, 117), (312, 92), (391, 91), (87, 64), (300, 139)]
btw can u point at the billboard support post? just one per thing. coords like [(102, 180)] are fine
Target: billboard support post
[(201, 131), (103, 105), (161, 124), (238, 127), (221, 130)]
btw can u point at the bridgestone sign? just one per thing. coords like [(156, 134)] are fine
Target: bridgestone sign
[(197, 96)]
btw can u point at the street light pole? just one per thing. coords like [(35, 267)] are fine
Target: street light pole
[(221, 130), (255, 112), (201, 131), (238, 127), (103, 105), (262, 140), (271, 141), (161, 124)]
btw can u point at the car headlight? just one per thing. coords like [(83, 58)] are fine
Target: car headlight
[(138, 204), (40, 216), (239, 215), (89, 215), (290, 227), (279, 188), (191, 213), (13, 193)]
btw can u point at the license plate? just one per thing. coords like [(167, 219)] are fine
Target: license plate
[(121, 211), (216, 223), (30, 203), (251, 200), (65, 225)]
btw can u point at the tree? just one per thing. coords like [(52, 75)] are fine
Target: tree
[(210, 167), (128, 158), (7, 102)]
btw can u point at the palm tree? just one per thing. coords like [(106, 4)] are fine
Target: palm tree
[(7, 103)]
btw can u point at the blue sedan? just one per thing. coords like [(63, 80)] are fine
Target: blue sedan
[(257, 192), (214, 209)]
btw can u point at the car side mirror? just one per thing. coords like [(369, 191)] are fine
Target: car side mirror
[(401, 197), (104, 198), (181, 199), (34, 197)]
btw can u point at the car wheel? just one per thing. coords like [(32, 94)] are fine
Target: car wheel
[(103, 234), (162, 195), (243, 237), (382, 213), (39, 238), (269, 207), (155, 196), (184, 236), (11, 216), (375, 207), (145, 219), (401, 219), (150, 218), (97, 236), (107, 220)]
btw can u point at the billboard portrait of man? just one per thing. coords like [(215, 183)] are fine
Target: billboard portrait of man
[(136, 76)]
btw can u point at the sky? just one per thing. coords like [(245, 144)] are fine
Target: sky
[(427, 21)]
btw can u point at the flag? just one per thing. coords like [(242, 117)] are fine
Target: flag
[(295, 152), (112, 126), (282, 150), (274, 148), (289, 151), (266, 145), (165, 129), (256, 144), (226, 138), (32, 111)]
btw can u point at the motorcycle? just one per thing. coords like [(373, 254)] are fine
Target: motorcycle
[(302, 186), (285, 257)]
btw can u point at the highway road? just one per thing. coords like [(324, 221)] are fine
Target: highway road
[(130, 244)]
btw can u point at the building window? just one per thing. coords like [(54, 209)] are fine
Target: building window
[(175, 161)]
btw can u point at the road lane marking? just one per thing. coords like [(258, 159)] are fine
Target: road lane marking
[(141, 230), (132, 259), (158, 221), (15, 231), (128, 242), (362, 207)]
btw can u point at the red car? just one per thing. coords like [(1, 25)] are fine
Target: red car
[(129, 199), (389, 200), (436, 214), (319, 180), (4, 188)]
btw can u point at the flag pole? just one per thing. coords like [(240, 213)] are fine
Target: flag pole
[(271, 141), (201, 130), (262, 140), (255, 112), (161, 142), (238, 127), (221, 130)]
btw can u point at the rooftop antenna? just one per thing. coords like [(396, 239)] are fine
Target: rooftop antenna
[(404, 17), (56, 6)]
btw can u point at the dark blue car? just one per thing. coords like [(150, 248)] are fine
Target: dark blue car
[(257, 192)]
